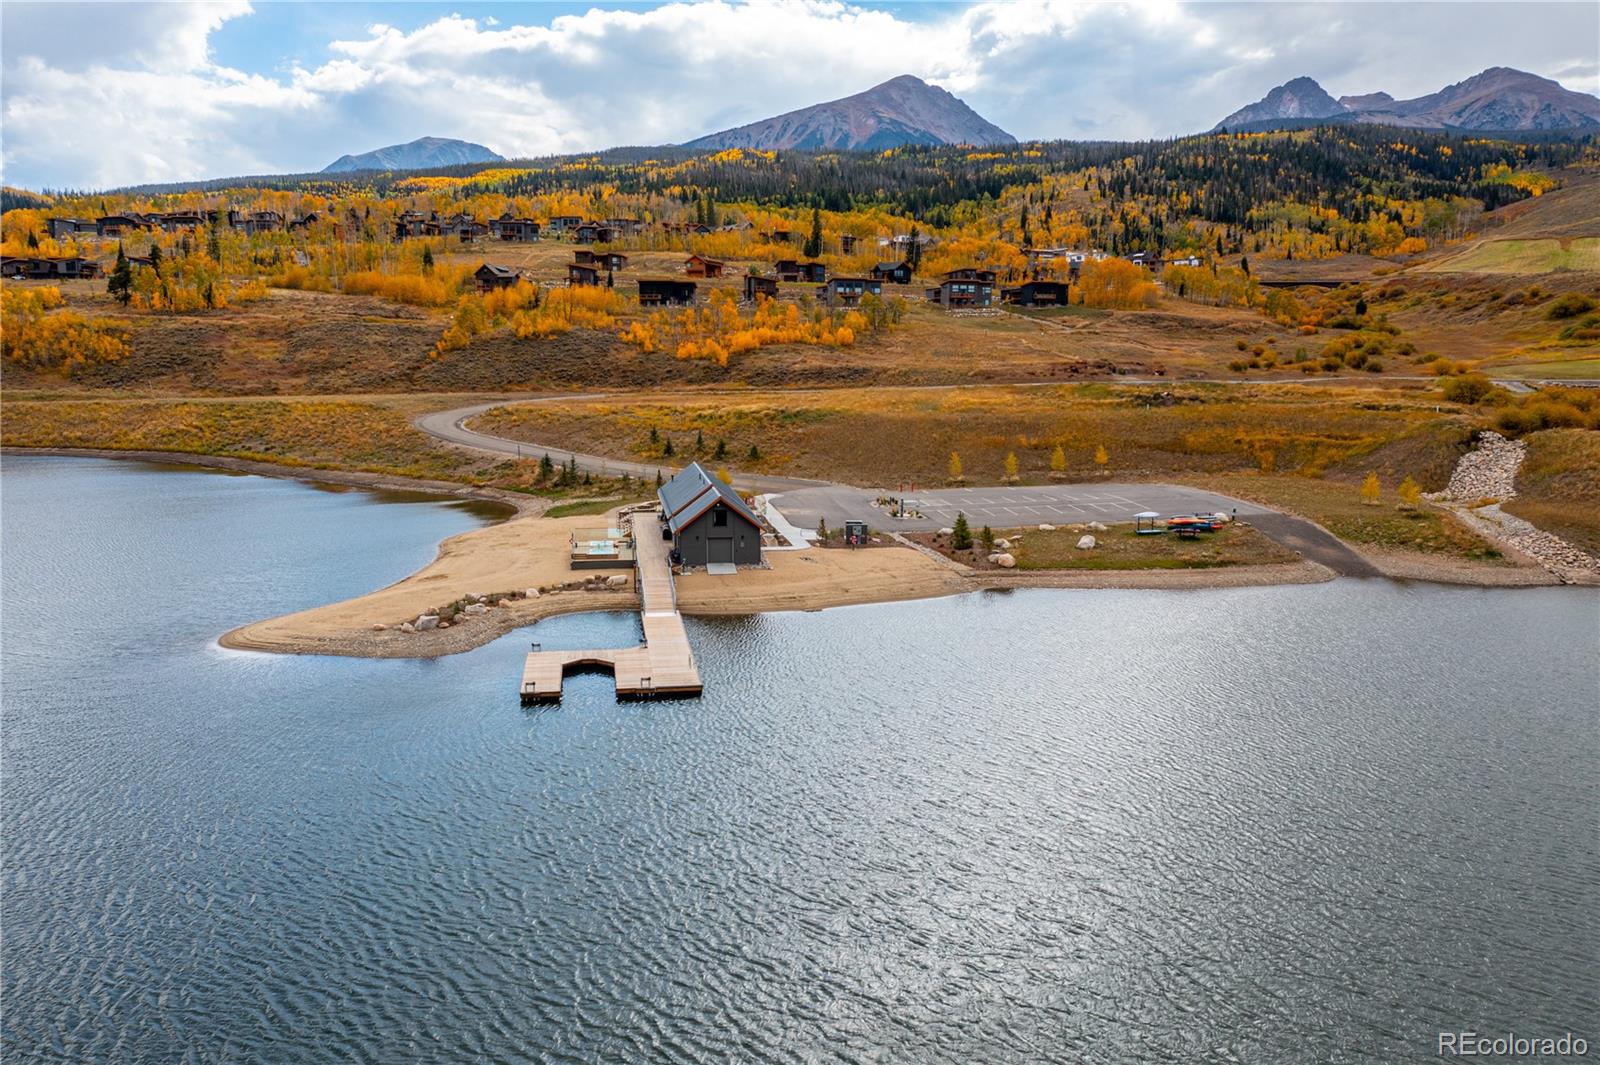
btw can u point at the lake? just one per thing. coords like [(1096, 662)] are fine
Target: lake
[(1267, 824)]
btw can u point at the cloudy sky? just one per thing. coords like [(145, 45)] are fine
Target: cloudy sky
[(104, 94)]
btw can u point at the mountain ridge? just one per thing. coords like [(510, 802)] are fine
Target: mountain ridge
[(1497, 99), (902, 110)]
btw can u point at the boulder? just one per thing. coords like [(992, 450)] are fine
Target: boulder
[(947, 531), (1005, 561), (994, 558), (1047, 528), (617, 581), (1003, 544), (425, 622), (1086, 543), (1097, 526), (379, 627), (406, 626), (444, 624), (532, 593), (475, 608)]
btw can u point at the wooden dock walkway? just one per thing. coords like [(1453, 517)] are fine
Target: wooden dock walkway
[(663, 664)]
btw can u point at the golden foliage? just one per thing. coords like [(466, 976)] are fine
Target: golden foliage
[(1116, 283), (63, 341)]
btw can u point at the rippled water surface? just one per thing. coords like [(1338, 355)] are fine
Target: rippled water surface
[(1267, 825)]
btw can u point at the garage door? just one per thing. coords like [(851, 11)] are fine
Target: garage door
[(719, 549)]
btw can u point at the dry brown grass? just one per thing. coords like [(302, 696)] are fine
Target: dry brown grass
[(888, 436), (1559, 485)]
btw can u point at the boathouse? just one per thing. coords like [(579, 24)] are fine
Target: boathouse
[(707, 521)]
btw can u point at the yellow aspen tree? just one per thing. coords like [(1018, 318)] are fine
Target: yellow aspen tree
[(724, 476), (1011, 466), (1371, 490), (955, 466), (1410, 493), (1058, 460), (1100, 456)]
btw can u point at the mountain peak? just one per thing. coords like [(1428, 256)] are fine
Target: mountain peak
[(1294, 100), (902, 110), (422, 153)]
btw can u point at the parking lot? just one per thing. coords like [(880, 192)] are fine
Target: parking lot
[(1005, 507)]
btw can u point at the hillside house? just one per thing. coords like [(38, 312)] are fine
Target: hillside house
[(65, 228), (757, 286), (790, 270), (583, 256), (560, 223), (611, 260), (626, 227), (116, 225), (594, 233), (489, 277), (778, 236), (700, 266), (662, 291), (971, 273), (1184, 260), (519, 229), (899, 273), (39, 268), (413, 224), (707, 520), (1036, 294), (177, 221), (583, 274), (847, 243), (957, 293), (847, 291)]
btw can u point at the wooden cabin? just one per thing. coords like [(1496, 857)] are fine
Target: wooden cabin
[(489, 276), (700, 266), (661, 291), (611, 260), (847, 291), (790, 270), (62, 228), (847, 243), (707, 520), (757, 286), (582, 274), (971, 273), (899, 273), (583, 257)]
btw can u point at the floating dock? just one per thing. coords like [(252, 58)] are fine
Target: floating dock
[(662, 665)]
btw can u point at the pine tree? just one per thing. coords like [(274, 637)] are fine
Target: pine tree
[(699, 441), (546, 467), (986, 537), (155, 258), (666, 448), (33, 240), (755, 454), (813, 246), (427, 259), (961, 534), (120, 284)]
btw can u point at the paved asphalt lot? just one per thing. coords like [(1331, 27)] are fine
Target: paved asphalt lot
[(1006, 508)]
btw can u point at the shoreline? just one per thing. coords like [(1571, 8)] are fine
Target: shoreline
[(528, 551)]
